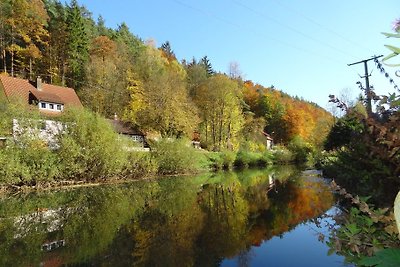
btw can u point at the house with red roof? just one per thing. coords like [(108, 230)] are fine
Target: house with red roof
[(50, 99)]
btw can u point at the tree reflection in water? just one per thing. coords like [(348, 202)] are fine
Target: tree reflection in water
[(193, 221)]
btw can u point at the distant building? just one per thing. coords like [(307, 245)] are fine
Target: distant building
[(50, 99), (269, 140), (129, 131)]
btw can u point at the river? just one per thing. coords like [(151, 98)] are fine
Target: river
[(271, 217)]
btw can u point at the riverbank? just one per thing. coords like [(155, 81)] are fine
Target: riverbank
[(88, 150)]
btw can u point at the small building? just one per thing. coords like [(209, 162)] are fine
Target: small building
[(129, 131), (196, 140), (49, 99), (269, 140)]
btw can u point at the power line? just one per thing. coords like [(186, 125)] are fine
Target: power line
[(270, 38), (322, 26), (263, 15)]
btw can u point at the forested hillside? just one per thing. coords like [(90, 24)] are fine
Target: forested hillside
[(116, 72)]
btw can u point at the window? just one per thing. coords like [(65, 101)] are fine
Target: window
[(137, 138), (43, 105), (58, 107), (51, 106)]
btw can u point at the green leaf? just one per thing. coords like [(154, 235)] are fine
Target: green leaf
[(383, 258), (397, 35), (393, 48), (389, 56), (353, 228), (331, 251)]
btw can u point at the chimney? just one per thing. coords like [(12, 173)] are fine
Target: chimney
[(39, 83)]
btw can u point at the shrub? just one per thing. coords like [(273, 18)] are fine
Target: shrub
[(265, 159), (228, 159), (175, 156), (140, 164), (281, 155), (245, 159), (28, 164), (301, 150), (215, 160), (90, 147)]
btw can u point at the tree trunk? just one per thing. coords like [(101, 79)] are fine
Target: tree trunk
[(12, 62), (30, 69), (4, 60)]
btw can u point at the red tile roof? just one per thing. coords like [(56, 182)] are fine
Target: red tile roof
[(15, 88)]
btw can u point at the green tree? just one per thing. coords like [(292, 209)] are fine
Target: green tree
[(78, 45), (56, 58), (205, 62), (196, 75)]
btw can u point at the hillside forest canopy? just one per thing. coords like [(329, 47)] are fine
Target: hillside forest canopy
[(115, 72)]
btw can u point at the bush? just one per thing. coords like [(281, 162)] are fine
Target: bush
[(265, 159), (228, 159), (215, 160), (28, 164), (245, 159), (140, 164), (89, 146), (282, 155), (302, 151), (175, 156)]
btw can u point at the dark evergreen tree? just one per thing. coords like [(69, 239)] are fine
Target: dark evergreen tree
[(167, 51), (207, 65), (56, 58), (133, 43), (78, 46), (102, 29)]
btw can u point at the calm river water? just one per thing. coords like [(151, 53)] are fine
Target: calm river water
[(271, 217)]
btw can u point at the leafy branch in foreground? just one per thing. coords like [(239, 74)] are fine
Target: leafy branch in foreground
[(366, 231)]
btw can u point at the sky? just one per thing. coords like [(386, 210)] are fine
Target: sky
[(300, 47)]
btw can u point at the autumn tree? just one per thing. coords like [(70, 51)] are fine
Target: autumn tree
[(219, 99), (109, 74), (5, 10), (29, 37), (169, 110)]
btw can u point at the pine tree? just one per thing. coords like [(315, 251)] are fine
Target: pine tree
[(207, 65), (56, 58), (78, 46), (167, 51)]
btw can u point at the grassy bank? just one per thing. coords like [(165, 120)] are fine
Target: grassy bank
[(88, 150)]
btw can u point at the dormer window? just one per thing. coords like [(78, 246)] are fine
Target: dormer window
[(51, 106)]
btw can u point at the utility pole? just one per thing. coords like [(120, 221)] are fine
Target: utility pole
[(367, 87)]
